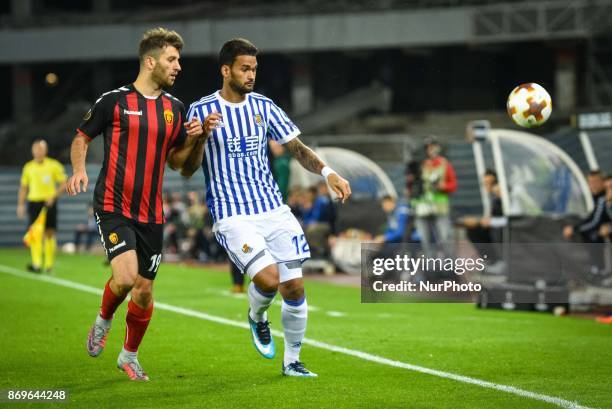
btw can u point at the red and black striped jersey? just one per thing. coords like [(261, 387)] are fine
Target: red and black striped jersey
[(139, 132)]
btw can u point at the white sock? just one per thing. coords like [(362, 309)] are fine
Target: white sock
[(127, 355), (104, 323), (259, 302), (294, 319)]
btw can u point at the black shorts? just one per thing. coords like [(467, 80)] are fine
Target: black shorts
[(34, 209), (120, 234)]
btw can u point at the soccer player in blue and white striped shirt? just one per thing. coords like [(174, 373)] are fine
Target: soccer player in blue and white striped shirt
[(252, 223)]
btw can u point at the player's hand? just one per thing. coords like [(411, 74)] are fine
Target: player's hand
[(568, 231), (50, 202), (21, 212), (340, 186), (194, 128), (470, 222), (77, 183), (604, 230), (212, 121)]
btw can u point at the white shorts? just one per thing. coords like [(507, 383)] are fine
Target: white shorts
[(255, 242)]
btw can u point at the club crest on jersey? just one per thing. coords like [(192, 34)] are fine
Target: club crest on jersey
[(258, 120), (169, 116), (114, 238), (246, 249)]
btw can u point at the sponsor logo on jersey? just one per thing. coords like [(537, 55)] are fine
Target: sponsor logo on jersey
[(169, 116), (139, 113), (113, 238)]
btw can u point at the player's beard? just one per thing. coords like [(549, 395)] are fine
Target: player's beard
[(161, 77), (239, 88)]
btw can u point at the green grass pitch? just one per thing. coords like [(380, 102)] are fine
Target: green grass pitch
[(197, 363)]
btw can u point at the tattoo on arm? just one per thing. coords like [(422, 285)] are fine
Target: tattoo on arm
[(306, 156)]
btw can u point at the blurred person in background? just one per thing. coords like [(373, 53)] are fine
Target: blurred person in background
[(318, 218), (202, 245), (432, 206), (398, 222), (86, 232), (237, 279), (281, 160), (43, 180), (175, 229), (294, 201), (605, 232), (487, 229), (588, 229)]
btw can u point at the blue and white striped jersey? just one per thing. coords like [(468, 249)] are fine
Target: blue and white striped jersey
[(238, 176)]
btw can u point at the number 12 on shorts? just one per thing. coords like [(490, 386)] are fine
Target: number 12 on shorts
[(155, 260), (301, 245)]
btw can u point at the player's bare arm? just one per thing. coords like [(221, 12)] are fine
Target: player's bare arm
[(194, 161), (178, 156), (78, 152), (311, 162), (23, 194)]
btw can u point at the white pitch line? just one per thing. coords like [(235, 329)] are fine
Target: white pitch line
[(329, 347)]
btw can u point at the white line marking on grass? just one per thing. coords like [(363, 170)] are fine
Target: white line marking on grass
[(329, 347), (311, 308)]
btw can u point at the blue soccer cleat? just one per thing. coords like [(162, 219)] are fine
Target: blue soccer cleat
[(298, 369), (262, 339)]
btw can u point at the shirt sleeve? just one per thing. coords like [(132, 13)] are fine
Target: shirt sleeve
[(97, 118), (451, 178), (192, 113), (280, 128), (182, 133)]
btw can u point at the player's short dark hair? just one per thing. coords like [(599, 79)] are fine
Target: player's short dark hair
[(387, 198), (233, 48), (491, 172), (156, 39)]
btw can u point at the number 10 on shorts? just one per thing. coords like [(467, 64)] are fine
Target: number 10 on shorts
[(300, 244)]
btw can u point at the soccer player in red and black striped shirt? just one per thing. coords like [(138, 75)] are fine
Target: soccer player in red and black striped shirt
[(143, 127)]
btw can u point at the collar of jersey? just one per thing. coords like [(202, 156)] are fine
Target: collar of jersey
[(231, 104)]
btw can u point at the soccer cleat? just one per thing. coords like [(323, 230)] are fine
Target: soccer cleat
[(298, 369), (96, 339), (132, 368), (262, 339), (32, 269)]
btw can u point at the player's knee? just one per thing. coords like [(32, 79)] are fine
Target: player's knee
[(124, 282), (143, 296), (293, 290), (267, 279)]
